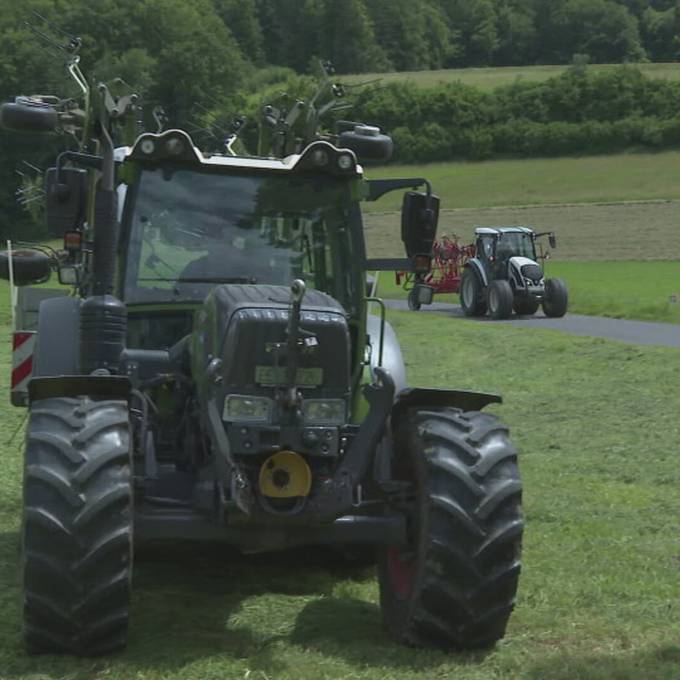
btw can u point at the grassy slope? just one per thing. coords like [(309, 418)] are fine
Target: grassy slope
[(627, 290), (621, 177), (489, 78), (599, 597)]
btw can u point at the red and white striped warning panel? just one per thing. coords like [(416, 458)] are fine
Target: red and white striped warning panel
[(23, 347)]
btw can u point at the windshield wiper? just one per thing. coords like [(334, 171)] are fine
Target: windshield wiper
[(231, 279)]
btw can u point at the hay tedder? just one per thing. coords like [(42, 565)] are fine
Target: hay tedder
[(449, 258)]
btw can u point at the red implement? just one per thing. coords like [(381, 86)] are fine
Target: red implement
[(448, 261)]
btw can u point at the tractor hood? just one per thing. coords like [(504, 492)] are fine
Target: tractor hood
[(525, 268), (239, 343)]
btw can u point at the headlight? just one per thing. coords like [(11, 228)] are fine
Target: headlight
[(324, 411), (345, 161), (243, 408)]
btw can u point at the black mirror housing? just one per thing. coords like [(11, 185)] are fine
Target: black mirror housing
[(368, 143), (419, 219), (28, 266), (28, 115), (552, 241), (65, 192)]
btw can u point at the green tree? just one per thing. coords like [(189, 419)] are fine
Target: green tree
[(602, 29), (476, 21), (415, 35), (348, 36), (660, 30), (242, 19), (516, 26)]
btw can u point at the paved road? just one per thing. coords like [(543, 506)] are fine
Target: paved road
[(634, 332)]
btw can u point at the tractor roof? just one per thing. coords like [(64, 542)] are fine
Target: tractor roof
[(497, 231), (177, 145)]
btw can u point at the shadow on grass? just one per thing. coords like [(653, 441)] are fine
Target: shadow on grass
[(187, 602), (351, 629), (660, 663)]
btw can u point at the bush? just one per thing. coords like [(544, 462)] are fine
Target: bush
[(578, 112)]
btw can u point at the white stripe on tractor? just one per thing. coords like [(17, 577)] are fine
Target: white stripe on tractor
[(23, 347)]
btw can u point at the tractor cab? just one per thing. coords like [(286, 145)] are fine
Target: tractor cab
[(497, 246)]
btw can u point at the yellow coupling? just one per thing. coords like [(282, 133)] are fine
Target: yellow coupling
[(285, 475)]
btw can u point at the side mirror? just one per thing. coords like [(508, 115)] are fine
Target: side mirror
[(28, 266), (419, 219), (68, 275), (368, 143), (28, 115), (65, 199), (552, 240)]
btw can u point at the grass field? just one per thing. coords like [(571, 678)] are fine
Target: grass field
[(540, 181), (605, 209), (490, 78), (625, 231), (599, 595)]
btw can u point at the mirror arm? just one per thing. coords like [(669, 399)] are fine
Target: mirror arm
[(85, 160), (379, 187)]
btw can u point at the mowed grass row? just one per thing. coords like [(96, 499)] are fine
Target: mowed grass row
[(492, 77), (596, 424), (621, 231), (648, 291), (540, 181)]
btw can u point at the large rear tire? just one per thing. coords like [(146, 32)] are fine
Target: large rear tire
[(472, 298), (454, 585), (500, 298), (556, 298), (77, 527)]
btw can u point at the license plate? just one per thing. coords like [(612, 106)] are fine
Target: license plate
[(272, 376)]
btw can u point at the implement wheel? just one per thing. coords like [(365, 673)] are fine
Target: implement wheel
[(413, 302), (453, 585), (77, 527)]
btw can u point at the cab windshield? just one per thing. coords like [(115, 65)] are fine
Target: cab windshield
[(190, 231), (512, 244)]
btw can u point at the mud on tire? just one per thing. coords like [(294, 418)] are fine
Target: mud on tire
[(77, 527), (454, 585)]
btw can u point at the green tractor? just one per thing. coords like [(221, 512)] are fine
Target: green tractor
[(505, 275), (215, 375)]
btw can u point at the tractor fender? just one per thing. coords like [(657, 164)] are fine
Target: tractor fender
[(101, 386), (476, 266), (392, 359), (423, 398), (58, 344)]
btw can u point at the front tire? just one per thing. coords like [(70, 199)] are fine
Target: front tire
[(556, 298), (472, 294), (77, 527), (454, 585), (500, 298)]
